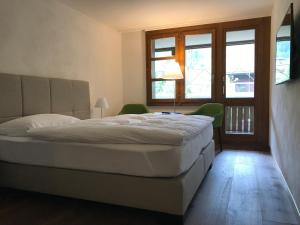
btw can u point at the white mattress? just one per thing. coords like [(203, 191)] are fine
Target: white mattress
[(130, 159)]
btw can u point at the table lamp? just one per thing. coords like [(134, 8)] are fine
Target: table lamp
[(173, 72), (102, 104)]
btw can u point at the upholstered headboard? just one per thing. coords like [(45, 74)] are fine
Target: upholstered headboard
[(27, 95)]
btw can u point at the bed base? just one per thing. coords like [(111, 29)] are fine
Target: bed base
[(167, 195)]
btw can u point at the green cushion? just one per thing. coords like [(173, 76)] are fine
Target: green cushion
[(134, 109), (215, 110)]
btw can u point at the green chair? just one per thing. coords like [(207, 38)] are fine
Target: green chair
[(134, 109), (215, 110)]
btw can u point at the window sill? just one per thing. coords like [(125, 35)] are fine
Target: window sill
[(188, 102)]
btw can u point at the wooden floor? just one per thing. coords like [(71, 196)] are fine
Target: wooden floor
[(242, 188)]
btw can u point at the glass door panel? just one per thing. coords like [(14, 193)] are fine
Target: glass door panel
[(240, 64), (239, 82)]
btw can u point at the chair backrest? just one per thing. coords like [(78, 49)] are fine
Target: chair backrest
[(215, 110), (134, 109)]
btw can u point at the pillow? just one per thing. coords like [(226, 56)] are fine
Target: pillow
[(19, 127)]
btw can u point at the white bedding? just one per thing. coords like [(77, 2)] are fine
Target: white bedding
[(19, 127), (128, 129), (130, 159)]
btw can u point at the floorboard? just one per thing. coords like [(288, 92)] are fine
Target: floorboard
[(275, 199), (242, 188), (244, 206)]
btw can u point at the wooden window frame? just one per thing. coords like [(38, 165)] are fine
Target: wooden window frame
[(197, 101), (149, 60), (259, 140), (179, 34)]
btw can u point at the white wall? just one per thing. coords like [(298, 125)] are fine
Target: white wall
[(46, 38), (134, 67), (285, 111)]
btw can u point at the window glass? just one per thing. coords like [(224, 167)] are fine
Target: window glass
[(163, 47), (158, 67), (240, 64), (198, 66), (163, 89)]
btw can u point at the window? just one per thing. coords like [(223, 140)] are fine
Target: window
[(162, 53), (226, 62), (194, 52), (198, 66)]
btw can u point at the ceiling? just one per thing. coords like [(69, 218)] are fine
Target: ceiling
[(132, 15)]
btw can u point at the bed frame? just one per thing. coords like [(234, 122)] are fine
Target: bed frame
[(27, 95)]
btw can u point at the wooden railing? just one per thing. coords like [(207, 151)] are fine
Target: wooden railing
[(239, 120)]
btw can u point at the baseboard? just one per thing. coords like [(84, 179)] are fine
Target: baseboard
[(286, 184)]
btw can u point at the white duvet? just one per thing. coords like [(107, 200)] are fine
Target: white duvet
[(128, 129)]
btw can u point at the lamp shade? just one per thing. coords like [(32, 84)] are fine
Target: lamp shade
[(172, 71), (102, 103)]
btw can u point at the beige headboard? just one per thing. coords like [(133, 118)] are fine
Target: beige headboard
[(27, 95)]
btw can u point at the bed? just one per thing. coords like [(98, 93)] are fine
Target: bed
[(76, 170)]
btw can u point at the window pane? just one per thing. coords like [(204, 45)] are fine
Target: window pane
[(198, 66), (163, 47), (163, 89), (158, 67), (239, 120), (240, 64)]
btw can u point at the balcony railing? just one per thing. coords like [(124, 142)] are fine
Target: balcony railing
[(239, 120)]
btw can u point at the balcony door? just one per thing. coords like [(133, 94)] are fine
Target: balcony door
[(245, 85)]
